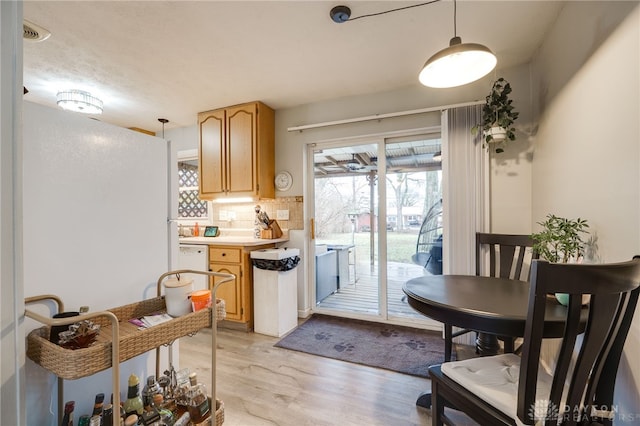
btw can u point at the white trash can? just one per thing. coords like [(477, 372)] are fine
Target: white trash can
[(275, 287)]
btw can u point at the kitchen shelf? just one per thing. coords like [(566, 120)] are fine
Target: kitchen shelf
[(118, 340)]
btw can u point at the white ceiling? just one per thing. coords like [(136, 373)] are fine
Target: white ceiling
[(152, 59)]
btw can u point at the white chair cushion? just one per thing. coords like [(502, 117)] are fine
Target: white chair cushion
[(494, 379)]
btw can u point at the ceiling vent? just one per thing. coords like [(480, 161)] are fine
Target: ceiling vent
[(33, 32)]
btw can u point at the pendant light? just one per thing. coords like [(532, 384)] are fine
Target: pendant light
[(163, 121), (458, 64)]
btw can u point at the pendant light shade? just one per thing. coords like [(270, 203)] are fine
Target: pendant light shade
[(458, 64), (79, 101)]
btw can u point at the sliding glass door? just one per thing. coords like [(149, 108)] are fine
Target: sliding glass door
[(369, 202)]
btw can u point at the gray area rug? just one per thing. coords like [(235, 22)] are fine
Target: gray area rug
[(392, 347)]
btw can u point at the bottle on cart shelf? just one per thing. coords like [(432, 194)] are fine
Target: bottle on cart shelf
[(133, 404), (166, 414), (67, 419), (95, 421), (107, 415), (151, 388), (84, 420), (98, 405), (197, 400)]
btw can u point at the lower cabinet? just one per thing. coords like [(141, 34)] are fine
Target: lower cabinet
[(237, 294)]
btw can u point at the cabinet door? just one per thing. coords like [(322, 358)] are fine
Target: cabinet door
[(231, 291), (212, 156), (241, 149)]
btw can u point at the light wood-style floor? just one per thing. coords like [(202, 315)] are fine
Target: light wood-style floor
[(264, 385)]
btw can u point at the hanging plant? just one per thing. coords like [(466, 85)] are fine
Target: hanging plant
[(498, 116)]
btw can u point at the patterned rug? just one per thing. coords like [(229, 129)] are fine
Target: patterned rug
[(392, 347)]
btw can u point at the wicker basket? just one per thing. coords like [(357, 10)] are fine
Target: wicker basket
[(74, 364), (221, 310), (219, 417)]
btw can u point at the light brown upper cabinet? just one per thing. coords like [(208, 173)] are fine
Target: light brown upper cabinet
[(237, 152)]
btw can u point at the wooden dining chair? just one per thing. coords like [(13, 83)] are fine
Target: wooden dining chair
[(507, 255), (506, 389)]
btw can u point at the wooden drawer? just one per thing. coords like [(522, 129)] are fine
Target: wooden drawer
[(223, 254)]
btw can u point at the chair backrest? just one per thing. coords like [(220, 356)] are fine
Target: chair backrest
[(614, 290), (507, 255)]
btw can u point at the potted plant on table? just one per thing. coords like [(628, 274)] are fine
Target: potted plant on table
[(560, 241), (498, 116)]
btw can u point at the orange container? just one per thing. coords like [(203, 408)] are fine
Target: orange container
[(201, 299)]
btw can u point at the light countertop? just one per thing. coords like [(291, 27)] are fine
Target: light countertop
[(230, 240)]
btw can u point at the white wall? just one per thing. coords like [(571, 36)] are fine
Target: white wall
[(510, 172), (587, 149)]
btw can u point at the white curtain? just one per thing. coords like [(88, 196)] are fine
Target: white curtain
[(465, 189)]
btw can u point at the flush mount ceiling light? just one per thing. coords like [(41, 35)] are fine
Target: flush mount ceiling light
[(33, 32), (79, 101), (458, 64)]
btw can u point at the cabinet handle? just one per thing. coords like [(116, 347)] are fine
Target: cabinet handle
[(224, 254)]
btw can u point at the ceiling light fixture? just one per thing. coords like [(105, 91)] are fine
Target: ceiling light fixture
[(458, 64), (79, 101)]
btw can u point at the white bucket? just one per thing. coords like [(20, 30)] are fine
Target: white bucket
[(177, 296)]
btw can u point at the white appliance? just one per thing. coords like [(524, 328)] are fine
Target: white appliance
[(95, 232), (275, 293), (194, 257)]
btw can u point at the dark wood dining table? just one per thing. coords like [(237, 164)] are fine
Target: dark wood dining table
[(492, 306)]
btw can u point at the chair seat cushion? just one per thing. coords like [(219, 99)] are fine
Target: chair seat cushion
[(494, 379)]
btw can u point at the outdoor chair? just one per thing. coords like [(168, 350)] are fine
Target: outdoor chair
[(507, 255), (507, 389)]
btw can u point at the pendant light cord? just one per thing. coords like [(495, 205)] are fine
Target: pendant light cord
[(455, 18), (394, 10)]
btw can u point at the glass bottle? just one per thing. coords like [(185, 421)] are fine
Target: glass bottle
[(98, 405), (67, 419), (84, 420), (133, 404), (107, 415), (197, 400)]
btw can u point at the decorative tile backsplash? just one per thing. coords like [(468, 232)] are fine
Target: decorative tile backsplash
[(242, 215)]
